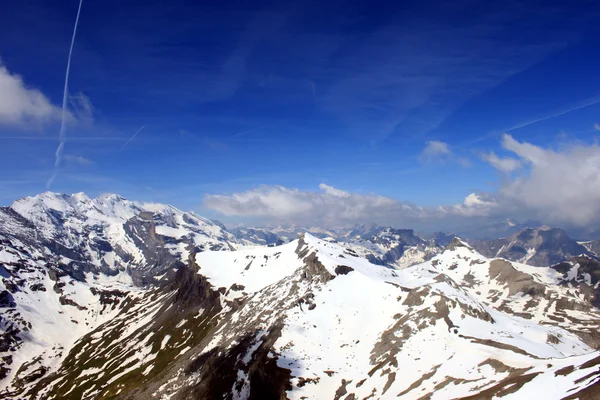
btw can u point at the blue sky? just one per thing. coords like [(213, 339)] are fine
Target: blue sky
[(404, 100)]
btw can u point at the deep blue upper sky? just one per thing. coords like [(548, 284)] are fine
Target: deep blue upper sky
[(234, 95)]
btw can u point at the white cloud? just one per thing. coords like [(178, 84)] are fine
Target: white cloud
[(22, 105), (435, 150), (330, 190), (335, 207), (559, 188), (329, 206), (77, 160), (507, 164), (438, 152), (597, 127)]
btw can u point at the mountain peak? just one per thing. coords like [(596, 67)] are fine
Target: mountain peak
[(541, 246), (156, 295)]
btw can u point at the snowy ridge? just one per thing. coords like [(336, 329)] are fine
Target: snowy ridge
[(109, 233), (68, 262), (109, 298), (336, 323)]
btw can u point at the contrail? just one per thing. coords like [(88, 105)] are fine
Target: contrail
[(579, 107), (133, 137), (62, 135), (596, 100)]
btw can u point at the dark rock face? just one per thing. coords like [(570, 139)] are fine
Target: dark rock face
[(219, 371), (586, 277), (343, 270), (535, 246), (193, 289), (7, 300)]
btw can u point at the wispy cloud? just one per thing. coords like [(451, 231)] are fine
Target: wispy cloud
[(568, 110), (64, 111), (438, 152), (597, 127), (406, 78), (79, 160), (255, 130), (435, 151), (507, 164)]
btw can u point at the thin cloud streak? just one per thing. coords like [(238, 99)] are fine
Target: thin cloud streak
[(133, 137), (258, 128), (498, 134), (62, 134), (535, 121), (58, 139)]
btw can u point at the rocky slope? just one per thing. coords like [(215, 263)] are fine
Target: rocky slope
[(68, 262), (105, 298), (309, 319)]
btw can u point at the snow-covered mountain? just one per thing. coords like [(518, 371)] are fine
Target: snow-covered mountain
[(541, 246), (66, 262), (259, 236), (136, 301), (395, 248), (109, 234)]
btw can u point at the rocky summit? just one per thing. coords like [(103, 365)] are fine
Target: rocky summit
[(108, 298)]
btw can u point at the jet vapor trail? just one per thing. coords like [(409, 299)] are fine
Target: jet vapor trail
[(133, 137), (558, 114), (62, 135)]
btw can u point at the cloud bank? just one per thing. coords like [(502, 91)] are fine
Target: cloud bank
[(559, 187)]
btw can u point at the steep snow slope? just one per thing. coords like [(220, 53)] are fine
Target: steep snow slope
[(44, 311), (67, 263), (309, 319), (368, 330)]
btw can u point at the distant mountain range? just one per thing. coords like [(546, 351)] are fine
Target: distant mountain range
[(110, 298), (397, 248)]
